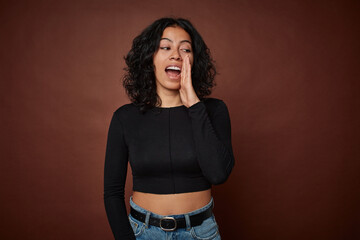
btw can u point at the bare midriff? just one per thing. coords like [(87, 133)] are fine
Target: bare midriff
[(171, 204)]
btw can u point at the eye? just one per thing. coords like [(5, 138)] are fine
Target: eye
[(186, 50), (165, 48)]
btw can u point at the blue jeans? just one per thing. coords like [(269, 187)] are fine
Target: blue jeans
[(208, 230)]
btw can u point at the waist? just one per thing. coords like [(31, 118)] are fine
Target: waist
[(170, 204), (170, 185)]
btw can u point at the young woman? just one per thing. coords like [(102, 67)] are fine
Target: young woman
[(177, 140)]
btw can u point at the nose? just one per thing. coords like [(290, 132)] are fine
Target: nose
[(175, 55)]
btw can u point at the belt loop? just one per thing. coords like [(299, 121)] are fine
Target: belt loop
[(188, 222), (147, 219)]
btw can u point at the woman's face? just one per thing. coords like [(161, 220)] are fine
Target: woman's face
[(174, 45)]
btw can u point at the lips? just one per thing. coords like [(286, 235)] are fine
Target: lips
[(173, 71)]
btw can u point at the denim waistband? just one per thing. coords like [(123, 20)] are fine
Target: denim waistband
[(142, 210)]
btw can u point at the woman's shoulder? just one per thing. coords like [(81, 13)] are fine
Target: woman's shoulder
[(124, 110), (214, 104), (212, 100), (124, 107)]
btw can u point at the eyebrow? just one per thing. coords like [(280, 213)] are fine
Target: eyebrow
[(172, 40)]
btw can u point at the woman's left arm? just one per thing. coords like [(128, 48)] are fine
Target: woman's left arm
[(212, 136), (213, 140)]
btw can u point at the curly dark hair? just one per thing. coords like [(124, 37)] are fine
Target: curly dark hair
[(139, 80)]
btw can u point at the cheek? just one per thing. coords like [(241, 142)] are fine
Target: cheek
[(191, 59), (157, 72), (157, 65)]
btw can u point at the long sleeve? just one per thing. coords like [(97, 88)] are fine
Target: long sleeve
[(212, 137), (115, 170)]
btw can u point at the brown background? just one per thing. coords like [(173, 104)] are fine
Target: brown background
[(289, 73)]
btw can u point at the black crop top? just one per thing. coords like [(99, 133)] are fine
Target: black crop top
[(170, 150)]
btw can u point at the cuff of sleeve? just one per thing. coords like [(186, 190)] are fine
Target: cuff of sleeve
[(197, 109), (197, 105)]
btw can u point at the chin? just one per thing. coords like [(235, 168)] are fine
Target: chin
[(173, 86), (168, 84)]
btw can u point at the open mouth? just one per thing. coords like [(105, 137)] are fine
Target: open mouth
[(173, 72)]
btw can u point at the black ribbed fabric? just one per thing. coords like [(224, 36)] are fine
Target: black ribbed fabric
[(171, 150)]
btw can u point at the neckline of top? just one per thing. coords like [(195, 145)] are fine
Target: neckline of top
[(170, 107)]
